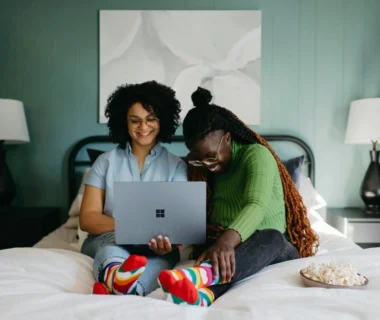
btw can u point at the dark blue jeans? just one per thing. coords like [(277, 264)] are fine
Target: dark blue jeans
[(263, 248)]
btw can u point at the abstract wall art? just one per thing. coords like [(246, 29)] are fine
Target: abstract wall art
[(218, 50)]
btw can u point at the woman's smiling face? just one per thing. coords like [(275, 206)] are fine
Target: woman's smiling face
[(213, 151), (143, 125)]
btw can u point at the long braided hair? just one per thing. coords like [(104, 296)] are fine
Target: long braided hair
[(206, 118)]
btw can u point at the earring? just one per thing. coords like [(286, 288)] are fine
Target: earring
[(229, 137)]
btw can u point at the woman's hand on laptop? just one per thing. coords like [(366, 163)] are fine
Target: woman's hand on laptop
[(162, 245)]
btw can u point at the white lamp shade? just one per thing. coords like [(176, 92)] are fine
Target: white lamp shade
[(13, 127), (363, 122)]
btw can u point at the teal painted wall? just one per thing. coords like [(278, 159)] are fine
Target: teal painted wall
[(318, 55)]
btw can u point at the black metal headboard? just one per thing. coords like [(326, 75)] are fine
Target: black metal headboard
[(74, 163)]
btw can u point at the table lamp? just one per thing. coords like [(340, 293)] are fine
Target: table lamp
[(13, 130), (363, 127)]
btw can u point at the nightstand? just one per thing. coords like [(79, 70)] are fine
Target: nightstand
[(25, 226), (361, 228)]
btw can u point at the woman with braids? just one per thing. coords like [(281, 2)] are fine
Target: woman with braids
[(140, 116), (256, 216)]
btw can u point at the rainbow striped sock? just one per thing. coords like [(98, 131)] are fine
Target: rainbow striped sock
[(121, 278), (109, 273), (206, 296), (184, 292), (100, 288), (200, 276), (126, 276)]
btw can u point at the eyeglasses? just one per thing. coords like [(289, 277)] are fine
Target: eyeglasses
[(135, 123), (207, 161)]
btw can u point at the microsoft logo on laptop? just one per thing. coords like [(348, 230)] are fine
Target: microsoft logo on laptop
[(160, 213)]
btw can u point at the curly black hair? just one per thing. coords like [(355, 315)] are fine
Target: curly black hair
[(206, 118), (154, 97)]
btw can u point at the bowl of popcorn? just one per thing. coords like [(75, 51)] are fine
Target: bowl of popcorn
[(333, 275)]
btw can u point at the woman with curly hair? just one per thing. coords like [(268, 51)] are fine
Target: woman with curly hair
[(256, 216), (140, 117)]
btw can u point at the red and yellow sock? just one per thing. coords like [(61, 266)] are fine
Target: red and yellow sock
[(200, 276), (126, 276), (184, 292), (121, 278), (100, 288)]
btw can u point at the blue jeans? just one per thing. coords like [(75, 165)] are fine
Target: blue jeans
[(263, 248), (104, 251)]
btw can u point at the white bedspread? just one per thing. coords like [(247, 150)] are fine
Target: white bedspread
[(40, 283), (55, 284)]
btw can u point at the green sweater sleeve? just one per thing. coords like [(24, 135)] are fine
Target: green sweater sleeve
[(260, 168)]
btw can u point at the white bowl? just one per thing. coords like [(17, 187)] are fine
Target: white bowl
[(314, 283)]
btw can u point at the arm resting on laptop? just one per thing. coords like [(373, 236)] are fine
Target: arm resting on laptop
[(91, 218)]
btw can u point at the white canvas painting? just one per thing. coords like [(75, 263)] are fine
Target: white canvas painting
[(217, 50)]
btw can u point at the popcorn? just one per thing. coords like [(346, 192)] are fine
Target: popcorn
[(335, 274)]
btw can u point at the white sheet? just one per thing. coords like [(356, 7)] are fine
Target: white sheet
[(56, 284)]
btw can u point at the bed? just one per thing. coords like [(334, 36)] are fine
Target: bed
[(53, 280)]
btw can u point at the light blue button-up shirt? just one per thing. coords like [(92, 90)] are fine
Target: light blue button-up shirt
[(121, 165)]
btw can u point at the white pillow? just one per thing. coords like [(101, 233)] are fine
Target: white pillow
[(311, 198), (73, 221), (82, 235)]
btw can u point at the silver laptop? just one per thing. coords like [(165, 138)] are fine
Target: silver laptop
[(144, 210)]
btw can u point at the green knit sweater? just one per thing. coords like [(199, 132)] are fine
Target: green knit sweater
[(249, 196)]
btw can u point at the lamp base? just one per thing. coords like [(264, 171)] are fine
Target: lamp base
[(7, 185), (370, 188), (369, 209)]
